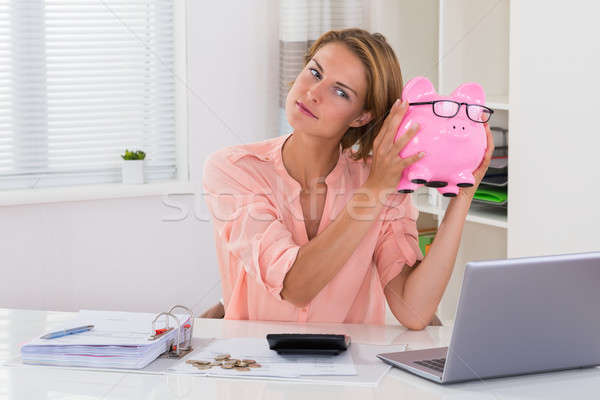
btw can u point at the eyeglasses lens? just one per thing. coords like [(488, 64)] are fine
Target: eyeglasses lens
[(478, 113), (445, 108)]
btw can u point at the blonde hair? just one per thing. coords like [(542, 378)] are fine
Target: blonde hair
[(384, 81)]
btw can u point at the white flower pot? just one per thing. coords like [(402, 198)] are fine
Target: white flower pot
[(132, 172)]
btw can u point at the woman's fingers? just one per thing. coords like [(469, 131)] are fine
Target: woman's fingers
[(403, 140), (391, 123), (488, 152), (393, 111), (490, 142), (412, 159), (384, 127), (395, 120)]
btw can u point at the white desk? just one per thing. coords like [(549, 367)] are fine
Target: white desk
[(36, 382)]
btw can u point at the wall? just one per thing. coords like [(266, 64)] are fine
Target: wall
[(140, 254), (398, 20), (554, 138)]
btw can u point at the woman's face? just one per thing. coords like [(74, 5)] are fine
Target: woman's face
[(328, 95)]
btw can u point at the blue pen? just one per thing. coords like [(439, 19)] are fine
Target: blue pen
[(65, 332)]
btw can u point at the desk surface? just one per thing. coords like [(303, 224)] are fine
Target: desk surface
[(36, 382)]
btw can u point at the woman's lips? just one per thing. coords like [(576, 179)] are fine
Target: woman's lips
[(305, 110)]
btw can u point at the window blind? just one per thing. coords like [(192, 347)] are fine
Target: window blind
[(81, 81)]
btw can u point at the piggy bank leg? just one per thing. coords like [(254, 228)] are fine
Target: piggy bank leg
[(436, 184), (419, 174), (406, 186), (464, 179), (449, 190)]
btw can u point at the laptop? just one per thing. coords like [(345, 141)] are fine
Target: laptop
[(517, 316)]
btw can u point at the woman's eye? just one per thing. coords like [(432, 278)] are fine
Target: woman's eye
[(338, 91), (341, 93)]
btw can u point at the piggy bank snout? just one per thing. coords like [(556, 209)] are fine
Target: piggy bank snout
[(459, 126)]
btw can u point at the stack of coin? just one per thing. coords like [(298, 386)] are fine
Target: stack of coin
[(226, 362), (200, 364)]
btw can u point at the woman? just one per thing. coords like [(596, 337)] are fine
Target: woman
[(308, 228)]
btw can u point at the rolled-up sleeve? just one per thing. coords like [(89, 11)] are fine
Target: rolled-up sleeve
[(247, 222), (397, 243)]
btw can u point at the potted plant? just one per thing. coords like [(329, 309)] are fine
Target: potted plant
[(132, 169)]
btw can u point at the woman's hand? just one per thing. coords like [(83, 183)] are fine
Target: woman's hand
[(479, 173), (387, 166)]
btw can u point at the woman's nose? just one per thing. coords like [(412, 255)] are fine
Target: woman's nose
[(314, 93)]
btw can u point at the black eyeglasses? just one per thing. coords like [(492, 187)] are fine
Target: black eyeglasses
[(449, 109)]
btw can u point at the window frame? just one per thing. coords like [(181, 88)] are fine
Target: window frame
[(180, 185)]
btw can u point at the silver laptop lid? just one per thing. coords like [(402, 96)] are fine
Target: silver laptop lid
[(526, 315)]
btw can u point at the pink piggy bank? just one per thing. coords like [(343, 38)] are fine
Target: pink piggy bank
[(451, 134)]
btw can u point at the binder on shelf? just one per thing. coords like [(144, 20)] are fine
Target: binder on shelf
[(494, 186), (491, 195), (123, 340), (425, 239), (495, 180)]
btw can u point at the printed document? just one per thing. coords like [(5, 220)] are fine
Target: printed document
[(272, 364)]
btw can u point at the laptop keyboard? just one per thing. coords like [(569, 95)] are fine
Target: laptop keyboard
[(436, 364)]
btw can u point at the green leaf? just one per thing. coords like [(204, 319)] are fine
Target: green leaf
[(133, 155)]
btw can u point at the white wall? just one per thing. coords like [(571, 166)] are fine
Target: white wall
[(554, 139), (128, 254), (401, 19)]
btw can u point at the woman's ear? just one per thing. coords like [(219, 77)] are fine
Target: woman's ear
[(364, 118)]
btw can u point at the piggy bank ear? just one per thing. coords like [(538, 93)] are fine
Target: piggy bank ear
[(418, 89), (471, 93)]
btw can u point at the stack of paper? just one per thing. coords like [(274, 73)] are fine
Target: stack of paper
[(118, 340), (272, 364), (358, 365)]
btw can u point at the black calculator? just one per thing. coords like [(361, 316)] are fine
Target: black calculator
[(308, 343)]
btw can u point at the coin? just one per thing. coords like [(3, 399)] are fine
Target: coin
[(202, 366), (197, 362), (226, 362)]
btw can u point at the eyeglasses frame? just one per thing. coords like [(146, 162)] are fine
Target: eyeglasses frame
[(422, 103)]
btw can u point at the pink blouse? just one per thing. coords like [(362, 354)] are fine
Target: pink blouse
[(259, 228)]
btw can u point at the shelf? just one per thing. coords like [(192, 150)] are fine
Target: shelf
[(487, 215), (420, 200), (494, 105), (480, 214)]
